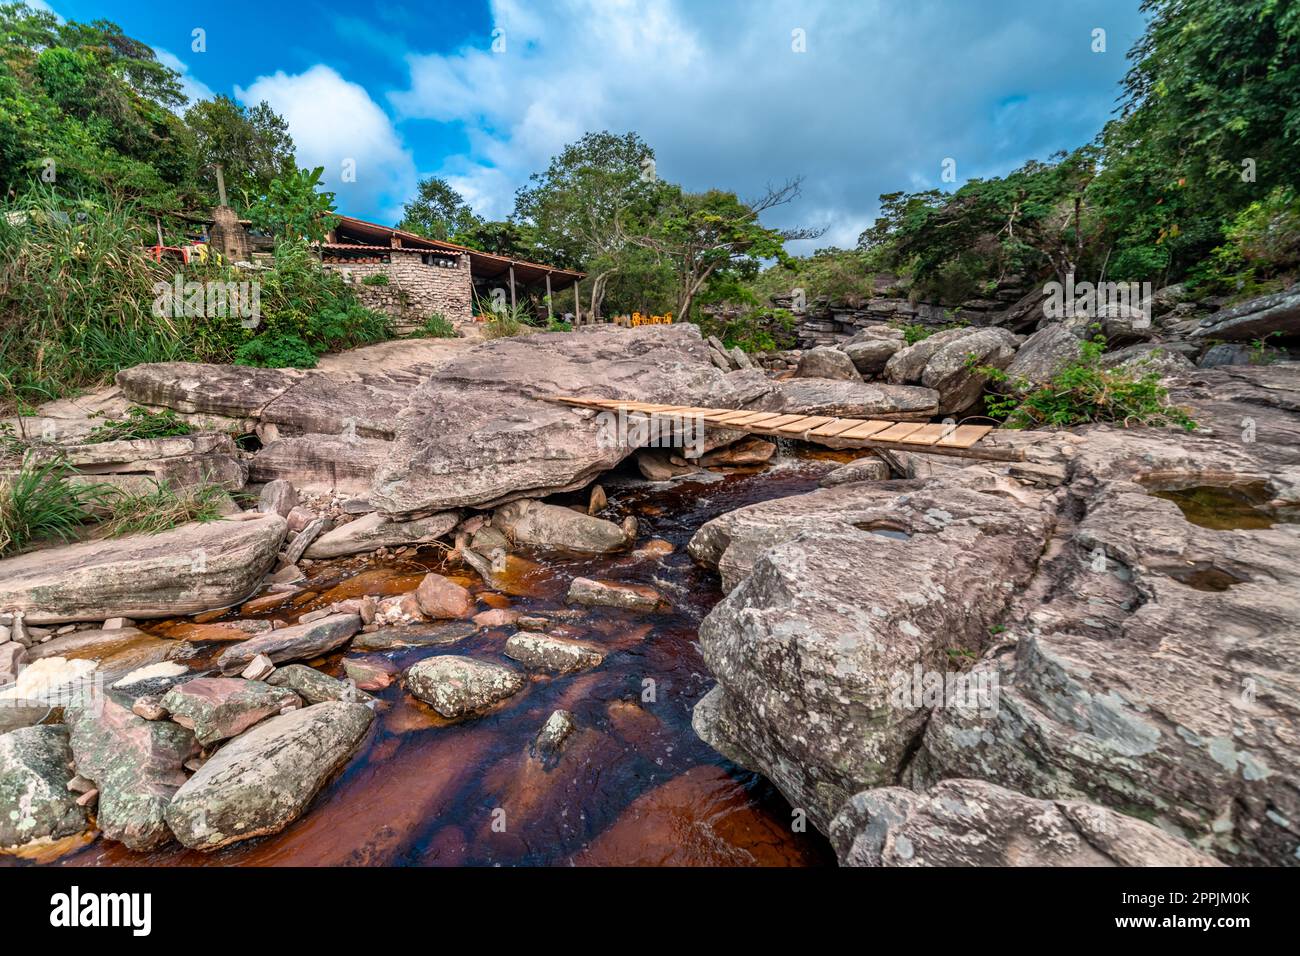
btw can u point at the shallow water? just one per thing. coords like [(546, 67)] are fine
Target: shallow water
[(634, 786), (1223, 507)]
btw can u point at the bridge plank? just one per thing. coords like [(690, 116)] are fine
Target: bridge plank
[(928, 435), (897, 431), (865, 429), (964, 436)]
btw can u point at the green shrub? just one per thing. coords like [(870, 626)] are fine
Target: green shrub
[(377, 278), (513, 320), (1085, 392), (160, 507), (41, 502), (436, 326), (271, 350), (139, 423), (753, 330)]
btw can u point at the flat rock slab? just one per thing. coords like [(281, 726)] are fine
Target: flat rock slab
[(414, 635), (554, 654), (461, 686), (839, 399), (219, 707), (318, 464), (313, 686), (538, 525), (188, 569), (973, 823), (136, 764), (35, 803), (297, 643), (235, 391), (631, 597), (374, 531), (262, 781)]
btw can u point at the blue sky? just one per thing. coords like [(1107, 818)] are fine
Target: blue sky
[(881, 93)]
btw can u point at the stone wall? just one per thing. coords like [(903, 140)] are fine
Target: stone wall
[(415, 290)]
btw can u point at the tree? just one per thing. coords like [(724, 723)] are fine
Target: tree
[(592, 198), (252, 145), (711, 233), (293, 207), (438, 212)]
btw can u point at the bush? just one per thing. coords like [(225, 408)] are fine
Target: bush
[(1084, 392), (753, 330), (139, 423), (507, 322), (41, 502), (160, 507), (435, 326), (271, 350), (378, 278)]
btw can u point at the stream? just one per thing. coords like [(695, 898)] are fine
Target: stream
[(633, 785)]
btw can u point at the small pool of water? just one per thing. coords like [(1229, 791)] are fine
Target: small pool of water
[(1223, 507), (635, 785)]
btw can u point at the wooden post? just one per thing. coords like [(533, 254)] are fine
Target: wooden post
[(221, 184), (550, 313), (577, 304), (512, 287)]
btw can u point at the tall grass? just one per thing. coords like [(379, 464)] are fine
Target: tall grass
[(160, 507), (39, 502)]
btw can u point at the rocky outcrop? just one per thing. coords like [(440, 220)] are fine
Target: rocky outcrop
[(460, 686), (972, 823), (374, 531), (181, 461), (191, 568), (818, 396), (957, 371), (231, 391), (298, 643), (1255, 318), (1042, 355), (35, 767), (322, 464), (262, 781)]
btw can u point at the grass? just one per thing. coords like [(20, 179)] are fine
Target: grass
[(1084, 392), (40, 503), (506, 323), (139, 423), (160, 508), (436, 326)]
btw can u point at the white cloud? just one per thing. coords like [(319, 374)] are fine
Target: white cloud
[(191, 85), (42, 6), (884, 92), (334, 121)]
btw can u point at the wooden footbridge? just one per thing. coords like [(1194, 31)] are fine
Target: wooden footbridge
[(968, 441)]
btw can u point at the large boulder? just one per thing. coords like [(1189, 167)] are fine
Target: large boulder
[(136, 764), (374, 531), (867, 585), (538, 525), (819, 396), (35, 803), (907, 364), (1043, 355), (972, 823), (216, 708), (322, 464), (1255, 318), (869, 355), (262, 781), (298, 643), (826, 362), (461, 686), (956, 370), (192, 568)]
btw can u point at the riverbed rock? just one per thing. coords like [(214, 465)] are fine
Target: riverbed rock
[(826, 362), (556, 655), (187, 569), (745, 453), (632, 597), (278, 496), (219, 707), (864, 469), (908, 364), (539, 525), (136, 764), (313, 686), (442, 599), (35, 803), (461, 686), (296, 643), (232, 391), (374, 531), (414, 635), (554, 733), (814, 396), (973, 823), (870, 354), (263, 780), (321, 464), (809, 647)]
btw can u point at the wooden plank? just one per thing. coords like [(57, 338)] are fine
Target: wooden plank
[(723, 416), (805, 424), (928, 435), (964, 436), (755, 419), (775, 422), (834, 427), (897, 431), (865, 429)]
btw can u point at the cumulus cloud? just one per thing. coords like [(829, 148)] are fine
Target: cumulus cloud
[(881, 95), (191, 85), (337, 125)]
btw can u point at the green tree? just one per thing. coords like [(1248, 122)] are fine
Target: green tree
[(438, 212), (294, 207), (251, 144)]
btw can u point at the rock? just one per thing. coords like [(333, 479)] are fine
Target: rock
[(813, 667), (117, 623), (554, 654), (262, 781), (597, 502), (538, 525), (321, 464), (633, 597), (864, 469), (857, 399), (870, 355), (461, 686), (496, 617), (1042, 356), (219, 707), (191, 568), (1255, 318), (259, 668), (954, 369), (136, 764), (654, 548), (16, 713), (1140, 360), (414, 635), (13, 657), (35, 768), (443, 599), (557, 729), (366, 675), (135, 465), (149, 707), (156, 679), (300, 517), (51, 680), (972, 823), (374, 531), (232, 391), (749, 451), (279, 497), (655, 465), (297, 548), (313, 686), (300, 642), (826, 362), (908, 364)]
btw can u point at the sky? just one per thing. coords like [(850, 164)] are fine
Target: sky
[(857, 97)]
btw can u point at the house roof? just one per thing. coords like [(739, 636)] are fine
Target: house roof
[(483, 265)]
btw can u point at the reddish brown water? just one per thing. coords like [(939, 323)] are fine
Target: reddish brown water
[(635, 786)]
